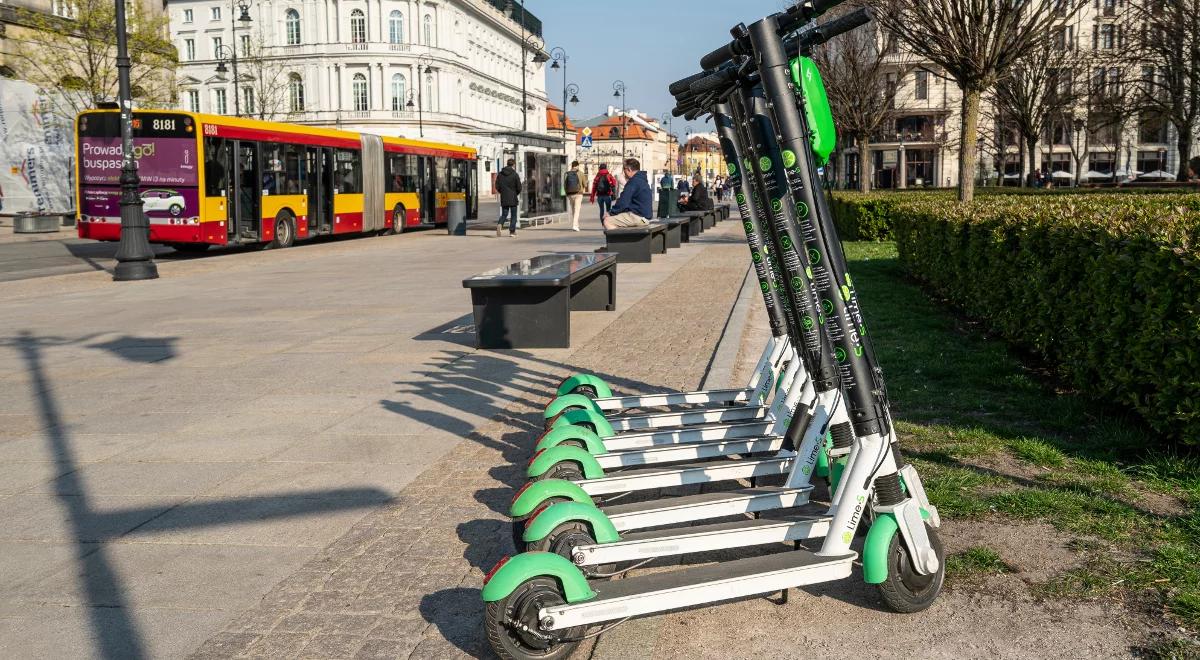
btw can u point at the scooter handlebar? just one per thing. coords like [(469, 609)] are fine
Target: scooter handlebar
[(719, 56), (716, 81), (680, 86), (802, 13), (819, 34)]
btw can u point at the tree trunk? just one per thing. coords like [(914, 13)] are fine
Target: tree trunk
[(864, 162), (1024, 173), (1184, 144), (968, 155), (1031, 147)]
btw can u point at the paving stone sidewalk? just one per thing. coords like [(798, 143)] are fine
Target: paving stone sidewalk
[(404, 582)]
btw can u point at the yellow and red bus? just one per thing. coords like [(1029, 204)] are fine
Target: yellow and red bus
[(215, 180)]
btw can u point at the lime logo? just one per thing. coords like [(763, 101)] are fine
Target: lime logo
[(732, 168), (785, 243), (849, 282), (808, 272), (858, 350), (756, 257), (776, 205), (764, 286), (814, 256), (748, 226), (801, 209), (839, 354), (789, 158), (807, 469), (827, 306), (808, 323), (764, 164), (749, 165), (741, 197), (845, 292), (797, 283), (847, 537)]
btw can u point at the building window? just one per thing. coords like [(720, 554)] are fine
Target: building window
[(187, 15), (216, 47), (1064, 37), (215, 13), (219, 101), (244, 41), (295, 93), (396, 28), (248, 100), (192, 97), (428, 98), (922, 85), (360, 93), (1108, 39), (358, 27), (399, 91), (292, 20), (189, 50), (428, 27), (64, 8)]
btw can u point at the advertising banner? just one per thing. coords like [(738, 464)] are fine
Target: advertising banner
[(36, 152)]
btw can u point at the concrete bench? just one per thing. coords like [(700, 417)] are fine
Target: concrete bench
[(528, 304), (695, 222), (674, 231), (710, 219), (635, 245)]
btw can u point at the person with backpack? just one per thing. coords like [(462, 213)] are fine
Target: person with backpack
[(604, 187), (573, 186), (508, 184)]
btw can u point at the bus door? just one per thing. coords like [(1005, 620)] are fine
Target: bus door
[(320, 192), (472, 180), (248, 186), (429, 185)]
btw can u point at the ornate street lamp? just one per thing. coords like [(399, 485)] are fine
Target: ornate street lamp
[(619, 91), (230, 51), (425, 68), (560, 55), (135, 260)]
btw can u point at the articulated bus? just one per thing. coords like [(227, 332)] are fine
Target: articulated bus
[(214, 180)]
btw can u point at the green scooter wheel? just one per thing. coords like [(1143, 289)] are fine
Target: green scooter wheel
[(563, 539), (513, 628), (567, 470), (905, 590), (518, 526)]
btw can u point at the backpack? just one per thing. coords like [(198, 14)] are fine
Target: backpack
[(572, 183), (604, 186)]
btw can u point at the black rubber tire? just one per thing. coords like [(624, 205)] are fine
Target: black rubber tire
[(905, 591), (566, 536), (399, 219), (586, 425), (526, 598), (190, 248), (569, 470), (518, 526), (586, 390), (285, 231), (573, 443)]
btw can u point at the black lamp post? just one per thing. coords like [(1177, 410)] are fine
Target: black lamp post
[(135, 260), (560, 55), (666, 120), (424, 67), (230, 50), (619, 90)]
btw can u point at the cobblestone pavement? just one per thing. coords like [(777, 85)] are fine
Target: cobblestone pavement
[(404, 582)]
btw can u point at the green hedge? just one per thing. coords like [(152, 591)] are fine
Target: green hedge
[(1105, 287)]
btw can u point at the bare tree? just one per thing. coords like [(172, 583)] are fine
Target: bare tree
[(264, 75), (857, 67), (975, 42), (75, 54), (1166, 43), (1110, 103)]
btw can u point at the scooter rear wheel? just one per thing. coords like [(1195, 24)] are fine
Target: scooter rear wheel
[(568, 470), (586, 390), (518, 526), (562, 539), (511, 624), (905, 590)]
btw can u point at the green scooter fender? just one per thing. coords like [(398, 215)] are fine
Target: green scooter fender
[(534, 493), (578, 417), (529, 565), (567, 402), (875, 549), (540, 526), (560, 434), (544, 460), (602, 389)]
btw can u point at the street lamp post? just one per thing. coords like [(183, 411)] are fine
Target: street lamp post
[(231, 49), (560, 55), (1077, 123), (619, 90), (135, 260), (424, 68), (666, 120)]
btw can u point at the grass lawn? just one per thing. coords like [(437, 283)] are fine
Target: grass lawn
[(992, 436)]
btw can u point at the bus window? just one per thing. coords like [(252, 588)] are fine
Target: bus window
[(348, 178), (293, 170), (402, 173), (216, 175), (272, 162)]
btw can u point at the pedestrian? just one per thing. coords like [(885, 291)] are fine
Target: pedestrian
[(635, 206), (667, 181), (574, 187), (684, 189), (699, 199), (604, 186), (508, 184)]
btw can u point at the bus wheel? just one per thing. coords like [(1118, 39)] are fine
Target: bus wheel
[(285, 231), (399, 219)]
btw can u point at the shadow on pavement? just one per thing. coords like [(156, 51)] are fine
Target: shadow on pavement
[(114, 631)]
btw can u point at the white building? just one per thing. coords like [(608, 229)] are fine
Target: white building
[(450, 70)]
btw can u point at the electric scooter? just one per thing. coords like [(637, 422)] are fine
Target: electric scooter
[(539, 604)]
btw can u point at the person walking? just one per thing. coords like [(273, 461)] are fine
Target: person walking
[(508, 184), (604, 186), (636, 204), (574, 187)]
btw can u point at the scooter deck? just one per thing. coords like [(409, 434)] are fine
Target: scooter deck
[(704, 506), (690, 452), (661, 592), (648, 439), (638, 546), (701, 397), (682, 475), (669, 419)]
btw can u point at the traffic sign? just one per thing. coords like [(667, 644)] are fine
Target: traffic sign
[(585, 142)]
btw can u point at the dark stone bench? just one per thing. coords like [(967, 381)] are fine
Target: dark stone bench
[(528, 304), (710, 219), (635, 245), (695, 222), (674, 231)]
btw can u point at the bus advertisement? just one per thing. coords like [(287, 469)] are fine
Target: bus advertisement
[(214, 180)]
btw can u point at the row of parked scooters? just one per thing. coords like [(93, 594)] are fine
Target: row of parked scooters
[(815, 408)]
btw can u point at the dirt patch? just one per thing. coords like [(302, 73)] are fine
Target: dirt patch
[(1035, 552)]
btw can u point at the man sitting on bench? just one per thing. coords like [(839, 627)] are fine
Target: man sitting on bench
[(635, 205)]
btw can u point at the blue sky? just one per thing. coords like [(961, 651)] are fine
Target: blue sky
[(663, 42)]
